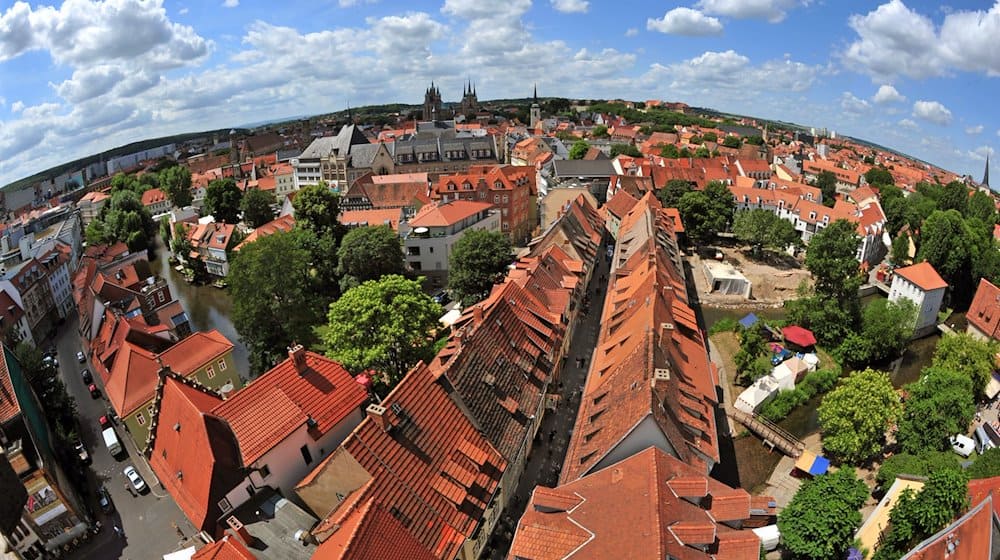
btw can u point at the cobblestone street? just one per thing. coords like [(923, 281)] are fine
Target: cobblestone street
[(550, 445)]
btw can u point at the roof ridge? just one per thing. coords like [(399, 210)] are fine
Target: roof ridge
[(154, 417)]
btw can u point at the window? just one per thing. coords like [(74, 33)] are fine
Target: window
[(224, 505), (161, 297), (496, 199), (306, 455), (140, 419), (506, 199), (151, 410), (265, 471), (210, 372), (482, 195), (222, 365)]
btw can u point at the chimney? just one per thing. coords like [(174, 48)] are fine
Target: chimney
[(298, 355), (239, 530), (378, 415), (477, 314)]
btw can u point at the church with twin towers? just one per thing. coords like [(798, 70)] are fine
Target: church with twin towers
[(433, 111)]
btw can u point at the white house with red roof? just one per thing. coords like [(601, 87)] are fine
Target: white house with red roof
[(922, 285), (430, 235)]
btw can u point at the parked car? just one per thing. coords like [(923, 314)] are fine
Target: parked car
[(87, 377), (81, 451), (104, 500), (80, 357), (963, 445), (105, 422), (94, 391), (781, 356), (441, 297), (51, 361), (133, 476)]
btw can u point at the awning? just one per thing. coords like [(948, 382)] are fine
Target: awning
[(993, 387), (812, 464), (749, 321), (799, 336)]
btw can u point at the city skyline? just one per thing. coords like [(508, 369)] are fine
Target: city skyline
[(88, 76)]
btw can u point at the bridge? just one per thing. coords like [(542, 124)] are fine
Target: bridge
[(774, 436)]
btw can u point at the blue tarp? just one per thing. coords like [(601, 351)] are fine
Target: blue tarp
[(819, 466), (748, 321)]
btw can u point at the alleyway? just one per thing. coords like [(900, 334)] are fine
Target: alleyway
[(550, 446)]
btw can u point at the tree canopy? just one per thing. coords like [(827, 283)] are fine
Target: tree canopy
[(672, 192), (855, 416), (478, 260), (940, 404), (732, 141), (627, 149), (826, 181), (986, 465), (820, 521), (879, 176), (317, 208), (967, 356), (886, 327), (368, 253), (830, 257), (579, 149), (125, 219), (917, 465), (384, 325), (669, 151), (764, 229), (918, 515), (599, 131), (222, 200), (257, 207), (275, 300), (706, 213), (175, 182)]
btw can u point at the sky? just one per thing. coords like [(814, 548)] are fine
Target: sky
[(83, 76)]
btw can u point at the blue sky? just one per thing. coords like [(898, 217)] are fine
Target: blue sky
[(86, 75)]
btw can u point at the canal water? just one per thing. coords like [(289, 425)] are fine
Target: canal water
[(207, 307)]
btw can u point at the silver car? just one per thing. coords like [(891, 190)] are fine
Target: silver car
[(133, 476)]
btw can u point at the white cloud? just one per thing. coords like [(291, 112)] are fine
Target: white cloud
[(894, 41), (3, 101), (888, 94), (973, 130), (182, 11), (773, 11), (685, 21), (350, 3), (631, 32), (230, 3), (932, 111), (18, 106), (852, 105), (571, 6), (909, 123), (711, 74), (980, 153)]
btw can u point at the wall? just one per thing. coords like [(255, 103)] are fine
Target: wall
[(646, 433), (221, 375), (340, 476)]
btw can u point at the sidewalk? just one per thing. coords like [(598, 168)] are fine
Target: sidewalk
[(549, 449)]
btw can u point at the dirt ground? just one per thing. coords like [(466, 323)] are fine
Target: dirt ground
[(774, 279)]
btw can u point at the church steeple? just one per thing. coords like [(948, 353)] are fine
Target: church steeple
[(535, 95), (986, 174)]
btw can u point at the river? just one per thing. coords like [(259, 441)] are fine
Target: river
[(207, 307)]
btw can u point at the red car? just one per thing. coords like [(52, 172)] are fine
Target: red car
[(94, 391), (105, 422)]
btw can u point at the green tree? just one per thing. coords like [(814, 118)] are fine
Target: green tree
[(940, 404), (317, 208), (710, 137), (706, 213), (826, 181), (669, 151), (125, 219), (579, 149), (886, 327), (275, 303), (879, 176), (764, 229), (830, 258), (982, 207), (944, 243), (986, 465), (820, 521), (732, 142), (916, 516), (826, 317), (955, 196), (917, 465), (627, 149), (966, 356), (478, 260), (385, 325), (672, 192), (175, 182), (222, 200), (257, 207), (702, 152), (369, 253), (854, 417), (599, 131), (900, 252)]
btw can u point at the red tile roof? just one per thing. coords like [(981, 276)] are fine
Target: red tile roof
[(280, 224), (620, 204), (153, 196), (443, 214), (374, 217), (229, 548), (433, 467), (646, 327), (628, 510), (194, 453), (984, 313), (968, 538), (324, 391), (196, 350), (10, 408), (980, 488), (922, 275), (371, 532), (9, 309)]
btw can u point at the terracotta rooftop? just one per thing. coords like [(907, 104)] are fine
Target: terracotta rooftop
[(10, 408), (228, 548), (280, 224), (318, 388), (628, 510), (922, 275), (984, 313), (370, 532), (153, 196), (971, 537), (620, 204), (444, 214), (374, 217)]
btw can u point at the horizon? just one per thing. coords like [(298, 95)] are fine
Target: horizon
[(126, 71)]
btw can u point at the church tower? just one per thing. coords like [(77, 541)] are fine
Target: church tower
[(470, 103), (536, 110), (432, 103), (986, 174)]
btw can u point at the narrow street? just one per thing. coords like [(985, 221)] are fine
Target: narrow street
[(147, 520), (550, 445)]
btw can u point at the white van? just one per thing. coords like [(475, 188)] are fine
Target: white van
[(963, 445), (983, 440), (112, 442)]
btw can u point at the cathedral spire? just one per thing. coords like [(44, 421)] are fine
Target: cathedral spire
[(986, 174), (535, 95)]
